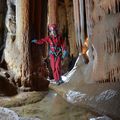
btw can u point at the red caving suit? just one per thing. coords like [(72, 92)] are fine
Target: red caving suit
[(56, 46)]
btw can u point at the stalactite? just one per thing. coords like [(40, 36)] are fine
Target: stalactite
[(112, 76), (89, 6), (112, 44), (11, 17), (77, 23), (82, 20), (113, 6)]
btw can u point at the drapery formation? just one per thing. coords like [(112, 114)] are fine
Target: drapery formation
[(98, 21)]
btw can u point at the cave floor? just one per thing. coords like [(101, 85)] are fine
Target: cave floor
[(51, 107)]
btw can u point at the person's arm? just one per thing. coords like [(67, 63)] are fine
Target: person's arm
[(64, 49), (41, 41)]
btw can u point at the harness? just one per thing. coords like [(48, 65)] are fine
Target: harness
[(54, 49), (57, 51)]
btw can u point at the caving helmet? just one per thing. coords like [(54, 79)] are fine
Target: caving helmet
[(52, 30)]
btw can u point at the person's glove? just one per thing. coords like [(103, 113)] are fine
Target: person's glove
[(65, 54), (34, 41)]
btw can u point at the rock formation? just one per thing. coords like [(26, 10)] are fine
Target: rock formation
[(95, 39), (93, 81)]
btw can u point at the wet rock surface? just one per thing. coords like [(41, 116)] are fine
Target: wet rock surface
[(102, 98)]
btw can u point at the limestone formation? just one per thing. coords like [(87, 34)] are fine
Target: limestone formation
[(11, 17), (96, 37)]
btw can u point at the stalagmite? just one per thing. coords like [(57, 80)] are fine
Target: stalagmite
[(23, 39)]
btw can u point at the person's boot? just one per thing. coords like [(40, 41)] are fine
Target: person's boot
[(52, 81), (61, 81), (55, 82), (58, 82)]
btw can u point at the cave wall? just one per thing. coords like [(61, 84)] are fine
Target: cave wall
[(103, 29)]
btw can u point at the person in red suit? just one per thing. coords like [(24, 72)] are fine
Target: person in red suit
[(57, 51)]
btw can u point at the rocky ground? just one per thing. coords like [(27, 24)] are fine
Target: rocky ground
[(45, 106)]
